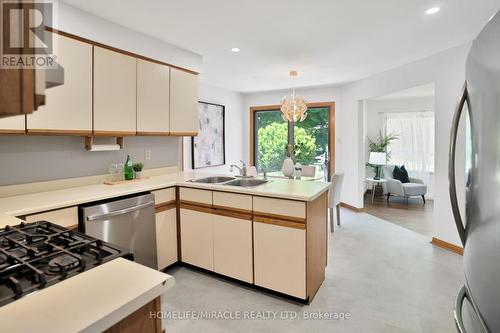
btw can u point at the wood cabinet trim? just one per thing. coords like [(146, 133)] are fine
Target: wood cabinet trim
[(57, 132), (153, 133), (232, 209), (316, 244), (196, 207), (113, 133), (194, 203), (183, 134), (279, 217), (231, 212), (12, 132), (165, 206), (281, 223), (111, 48)]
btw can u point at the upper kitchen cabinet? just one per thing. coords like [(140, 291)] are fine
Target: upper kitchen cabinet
[(183, 103), (22, 85), (68, 108), (12, 125), (114, 93), (153, 96)]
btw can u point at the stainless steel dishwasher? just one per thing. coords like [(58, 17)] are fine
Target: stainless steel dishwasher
[(128, 222)]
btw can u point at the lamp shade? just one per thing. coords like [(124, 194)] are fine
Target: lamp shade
[(378, 158)]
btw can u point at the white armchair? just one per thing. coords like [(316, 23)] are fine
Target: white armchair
[(415, 187)]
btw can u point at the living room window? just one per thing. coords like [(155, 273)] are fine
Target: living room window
[(415, 145)]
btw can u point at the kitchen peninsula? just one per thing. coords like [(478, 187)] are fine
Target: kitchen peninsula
[(273, 236)]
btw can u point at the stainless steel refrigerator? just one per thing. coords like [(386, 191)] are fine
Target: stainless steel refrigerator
[(477, 307)]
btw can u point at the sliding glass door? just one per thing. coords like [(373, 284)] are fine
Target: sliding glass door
[(312, 139)]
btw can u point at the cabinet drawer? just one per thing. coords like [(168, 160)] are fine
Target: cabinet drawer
[(67, 217), (280, 259), (279, 207), (164, 196), (232, 200), (195, 195), (166, 237)]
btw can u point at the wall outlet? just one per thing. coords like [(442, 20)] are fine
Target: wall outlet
[(147, 155)]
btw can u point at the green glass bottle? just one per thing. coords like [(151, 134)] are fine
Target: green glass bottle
[(128, 172)]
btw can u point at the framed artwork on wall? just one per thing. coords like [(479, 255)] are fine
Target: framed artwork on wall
[(208, 148)]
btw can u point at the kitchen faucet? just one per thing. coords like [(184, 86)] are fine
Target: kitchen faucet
[(243, 169)]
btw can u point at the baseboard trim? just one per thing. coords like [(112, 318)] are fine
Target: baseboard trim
[(356, 209), (448, 246)]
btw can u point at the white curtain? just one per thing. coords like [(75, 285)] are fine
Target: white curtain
[(415, 144)]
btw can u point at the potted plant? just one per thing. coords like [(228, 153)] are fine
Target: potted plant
[(138, 170), (380, 145)]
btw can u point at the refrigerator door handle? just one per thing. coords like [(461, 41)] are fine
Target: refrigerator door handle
[(464, 98), (479, 326)]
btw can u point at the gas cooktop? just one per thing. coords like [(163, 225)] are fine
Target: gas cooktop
[(36, 255)]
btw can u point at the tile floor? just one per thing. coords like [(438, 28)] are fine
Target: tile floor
[(389, 279)]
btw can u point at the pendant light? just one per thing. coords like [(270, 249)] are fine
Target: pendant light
[(293, 107)]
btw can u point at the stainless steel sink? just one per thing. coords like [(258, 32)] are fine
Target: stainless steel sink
[(213, 180), (246, 182)]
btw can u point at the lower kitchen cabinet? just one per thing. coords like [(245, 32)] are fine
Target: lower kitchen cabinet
[(12, 125), (166, 237), (280, 258), (197, 238), (233, 247), (66, 217)]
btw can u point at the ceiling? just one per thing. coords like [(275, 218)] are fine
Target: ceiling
[(327, 41), (426, 90)]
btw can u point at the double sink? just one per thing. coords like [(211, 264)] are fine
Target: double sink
[(230, 181)]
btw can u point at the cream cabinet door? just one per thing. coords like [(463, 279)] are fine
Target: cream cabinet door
[(197, 240), (280, 258), (12, 125), (66, 217), (233, 247), (183, 103), (153, 98), (114, 93), (68, 108), (166, 237)]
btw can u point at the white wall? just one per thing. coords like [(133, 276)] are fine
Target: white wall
[(446, 70), (236, 124), (75, 21)]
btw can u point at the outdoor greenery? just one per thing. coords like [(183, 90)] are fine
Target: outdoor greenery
[(273, 143), (311, 138)]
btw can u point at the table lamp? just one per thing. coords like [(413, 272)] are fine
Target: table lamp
[(377, 159)]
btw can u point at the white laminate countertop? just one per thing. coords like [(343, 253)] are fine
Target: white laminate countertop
[(91, 301), (43, 201)]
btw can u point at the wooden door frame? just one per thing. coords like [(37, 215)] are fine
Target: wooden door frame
[(331, 125)]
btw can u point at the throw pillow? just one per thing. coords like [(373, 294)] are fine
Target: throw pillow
[(406, 177), (400, 175)]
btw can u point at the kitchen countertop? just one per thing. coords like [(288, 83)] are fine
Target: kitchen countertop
[(43, 201), (91, 301), (8, 220)]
